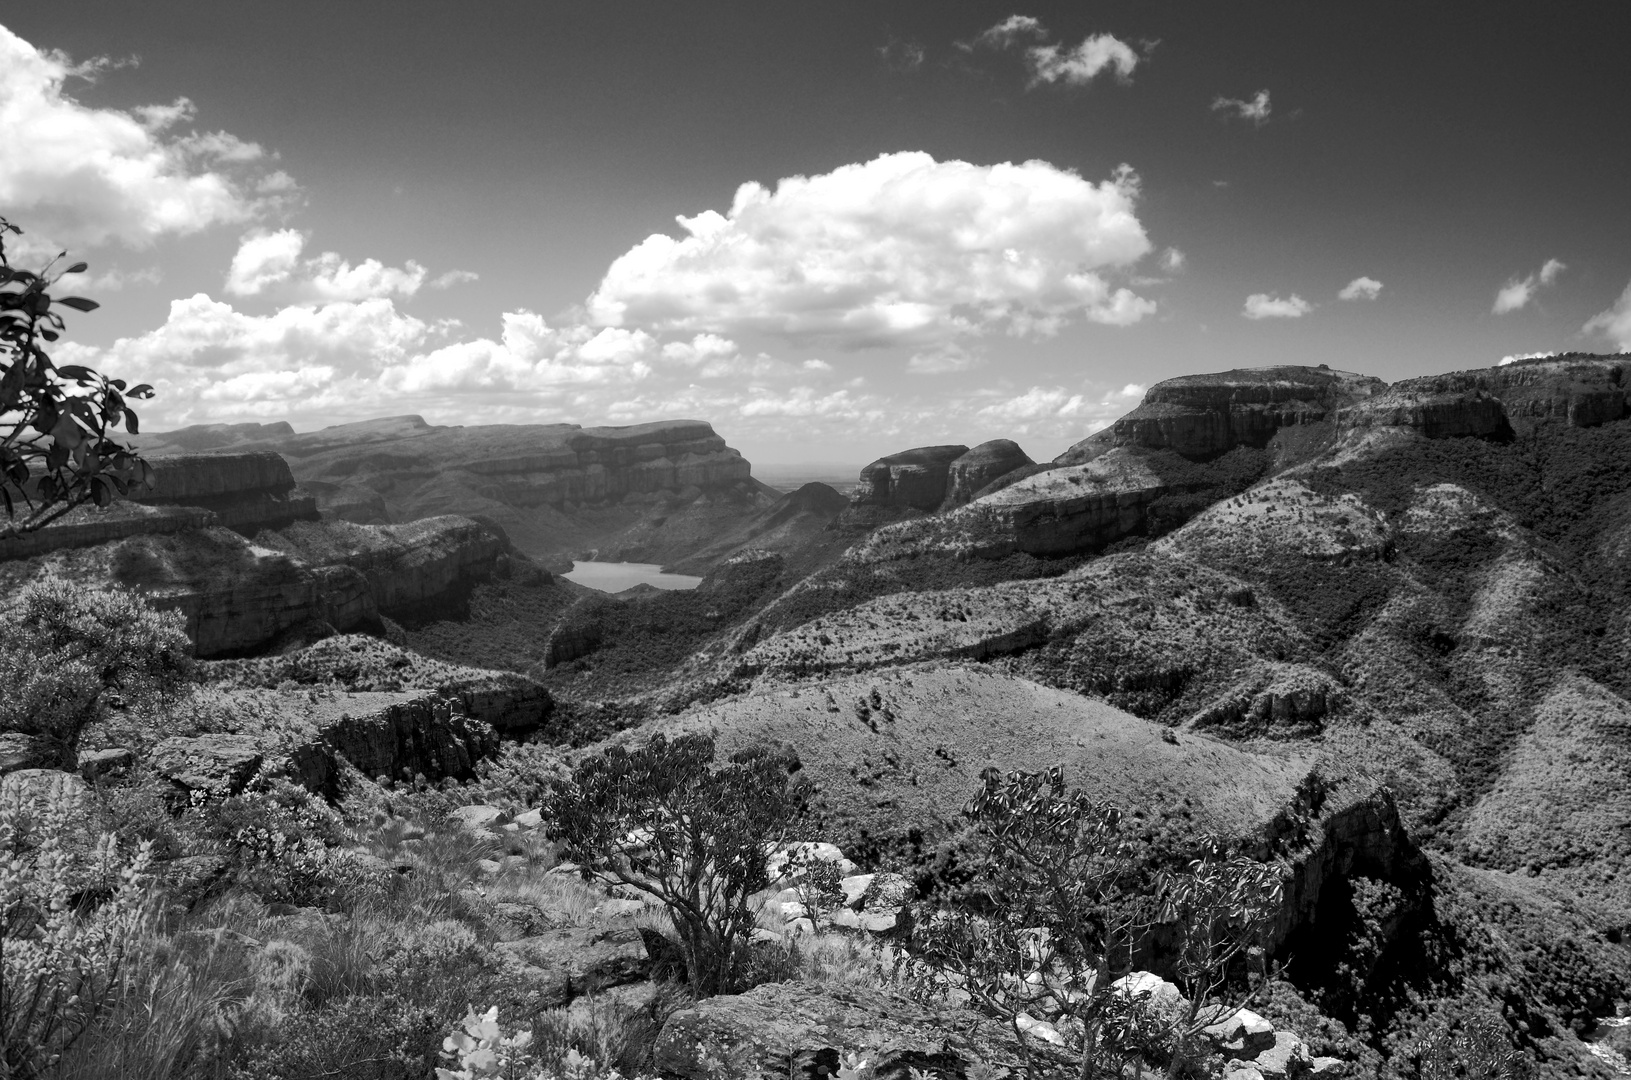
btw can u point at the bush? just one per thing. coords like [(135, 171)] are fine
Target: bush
[(71, 909), (1070, 905), (70, 651), (661, 819)]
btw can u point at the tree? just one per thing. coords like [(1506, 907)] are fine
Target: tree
[(56, 423), (664, 820), (1071, 903), (66, 650)]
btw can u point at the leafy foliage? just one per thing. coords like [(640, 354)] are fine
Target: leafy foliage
[(56, 445), (71, 908), (663, 820), (70, 651), (1072, 907)]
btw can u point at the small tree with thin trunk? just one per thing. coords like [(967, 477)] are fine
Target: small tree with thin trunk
[(665, 820)]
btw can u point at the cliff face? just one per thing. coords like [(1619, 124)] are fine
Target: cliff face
[(1577, 390), (1202, 416), (913, 479), (557, 489), (246, 491), (981, 466)]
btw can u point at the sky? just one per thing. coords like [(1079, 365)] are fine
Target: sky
[(832, 230)]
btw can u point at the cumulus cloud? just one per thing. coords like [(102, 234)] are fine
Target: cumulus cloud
[(900, 250), (454, 277), (83, 176), (265, 260), (1264, 306), (1361, 288), (114, 280), (1256, 109), (1173, 260), (1515, 357), (1097, 54), (942, 361), (1517, 292), (1056, 410), (1613, 323)]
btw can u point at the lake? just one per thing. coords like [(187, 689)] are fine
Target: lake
[(614, 577)]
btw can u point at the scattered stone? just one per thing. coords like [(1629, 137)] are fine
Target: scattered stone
[(1039, 1029), (568, 962), (888, 892), (95, 763), (532, 819), (213, 765), (1242, 1033), (1287, 1059), (488, 866), (1240, 1070), (855, 887), (1328, 1068), (774, 1026), (871, 922), (477, 816), (1162, 999), (510, 827), (512, 921)]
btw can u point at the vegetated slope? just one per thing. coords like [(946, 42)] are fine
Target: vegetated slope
[(1433, 579), (799, 526), (650, 492)]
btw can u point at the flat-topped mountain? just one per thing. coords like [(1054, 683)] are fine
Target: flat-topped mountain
[(649, 492)]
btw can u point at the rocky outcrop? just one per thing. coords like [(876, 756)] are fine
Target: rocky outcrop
[(981, 466), (804, 1031), (556, 488), (428, 734), (212, 765), (1202, 416), (913, 479), (87, 526), (1424, 406), (408, 568), (247, 491)]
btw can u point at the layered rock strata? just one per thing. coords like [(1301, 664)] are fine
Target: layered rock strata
[(1202, 416), (913, 479), (981, 466), (247, 491)]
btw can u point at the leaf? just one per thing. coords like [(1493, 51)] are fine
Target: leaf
[(142, 390), (130, 422), (77, 268), (79, 303), (49, 335), (77, 372)]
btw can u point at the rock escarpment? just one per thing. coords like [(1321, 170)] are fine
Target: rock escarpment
[(1575, 389), (556, 489), (910, 480), (1202, 416), (247, 491), (981, 466)]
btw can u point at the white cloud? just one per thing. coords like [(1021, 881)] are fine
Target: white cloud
[(454, 277), (942, 361), (1264, 306), (1096, 55), (79, 176), (1517, 292), (820, 366), (265, 260), (1614, 322), (1361, 288), (1010, 30), (1173, 260), (1256, 109), (898, 250), (1056, 410), (112, 280), (700, 349)]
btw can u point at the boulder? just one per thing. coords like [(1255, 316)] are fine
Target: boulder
[(1158, 998), (1242, 1034), (1329, 1068), (512, 921), (477, 816), (530, 819), (566, 963), (888, 893), (95, 763), (871, 922), (784, 865), (800, 1030), (981, 466), (1287, 1059), (214, 765), (855, 887), (20, 751)]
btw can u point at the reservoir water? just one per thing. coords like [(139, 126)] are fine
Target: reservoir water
[(614, 577)]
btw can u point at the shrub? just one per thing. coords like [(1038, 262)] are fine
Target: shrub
[(661, 819), (1070, 906), (70, 913), (69, 651)]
